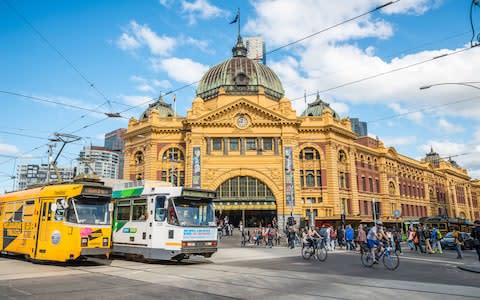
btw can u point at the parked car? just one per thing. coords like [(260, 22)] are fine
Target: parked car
[(448, 242)]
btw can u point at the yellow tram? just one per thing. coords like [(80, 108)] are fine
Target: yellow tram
[(58, 222)]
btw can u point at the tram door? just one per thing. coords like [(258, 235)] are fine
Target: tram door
[(44, 228)]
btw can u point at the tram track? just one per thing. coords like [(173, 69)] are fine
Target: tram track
[(254, 278)]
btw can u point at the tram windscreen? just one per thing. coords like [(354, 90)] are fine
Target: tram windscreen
[(89, 211), (192, 212)]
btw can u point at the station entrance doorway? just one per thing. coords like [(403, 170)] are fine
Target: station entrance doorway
[(246, 199)]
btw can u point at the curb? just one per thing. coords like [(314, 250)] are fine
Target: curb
[(470, 268)]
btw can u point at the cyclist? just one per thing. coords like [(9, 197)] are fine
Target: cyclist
[(374, 236)]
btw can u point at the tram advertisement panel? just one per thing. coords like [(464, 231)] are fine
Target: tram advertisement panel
[(199, 234)]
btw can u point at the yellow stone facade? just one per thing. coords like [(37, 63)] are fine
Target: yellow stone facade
[(347, 172)]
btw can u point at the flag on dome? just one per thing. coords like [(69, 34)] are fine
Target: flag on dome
[(236, 18)]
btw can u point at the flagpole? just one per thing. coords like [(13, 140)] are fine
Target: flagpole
[(174, 105), (238, 22)]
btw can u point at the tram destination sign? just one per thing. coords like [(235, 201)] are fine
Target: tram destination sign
[(97, 190), (199, 193)]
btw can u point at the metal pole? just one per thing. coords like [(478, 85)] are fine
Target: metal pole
[(374, 211), (171, 165)]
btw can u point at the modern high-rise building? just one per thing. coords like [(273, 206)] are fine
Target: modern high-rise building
[(256, 49), (359, 127), (30, 174), (114, 141), (99, 161)]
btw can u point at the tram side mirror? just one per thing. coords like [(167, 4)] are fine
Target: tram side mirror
[(53, 207), (110, 207)]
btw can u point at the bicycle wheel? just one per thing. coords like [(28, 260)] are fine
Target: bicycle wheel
[(321, 254), (367, 259), (307, 252), (391, 261)]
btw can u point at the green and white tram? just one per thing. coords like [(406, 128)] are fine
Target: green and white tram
[(158, 222)]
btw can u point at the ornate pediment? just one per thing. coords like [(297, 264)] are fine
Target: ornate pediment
[(242, 114)]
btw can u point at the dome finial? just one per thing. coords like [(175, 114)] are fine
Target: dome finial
[(239, 50)]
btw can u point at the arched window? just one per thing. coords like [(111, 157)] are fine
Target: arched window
[(342, 157), (309, 154), (391, 188), (244, 188), (173, 154)]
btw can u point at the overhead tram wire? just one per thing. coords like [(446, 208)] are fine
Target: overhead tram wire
[(284, 46), (423, 109), (51, 102), (333, 26), (90, 83), (385, 73)]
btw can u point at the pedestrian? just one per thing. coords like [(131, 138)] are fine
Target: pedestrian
[(349, 237), (458, 242), (361, 238), (397, 240), (436, 237), (291, 236), (333, 238), (340, 237), (420, 238), (428, 237), (328, 238), (411, 236), (476, 237)]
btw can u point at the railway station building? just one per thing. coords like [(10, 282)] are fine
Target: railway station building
[(242, 138)]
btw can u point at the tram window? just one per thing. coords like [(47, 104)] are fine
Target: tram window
[(60, 212), (123, 210), (18, 214), (139, 211), (160, 210), (442, 226)]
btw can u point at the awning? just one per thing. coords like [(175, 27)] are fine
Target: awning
[(245, 205)]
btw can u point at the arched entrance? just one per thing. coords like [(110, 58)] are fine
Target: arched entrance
[(245, 198)]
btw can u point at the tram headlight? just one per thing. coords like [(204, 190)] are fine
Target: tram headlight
[(105, 242), (84, 242)]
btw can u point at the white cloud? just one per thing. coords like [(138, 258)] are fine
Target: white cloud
[(8, 149), (332, 61), (135, 99), (201, 9), (393, 141), (416, 7), (448, 127), (127, 42), (340, 107), (466, 155), (146, 88), (415, 116), (150, 85), (137, 35), (166, 3), (180, 69)]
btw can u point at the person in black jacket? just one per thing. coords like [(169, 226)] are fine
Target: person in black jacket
[(476, 237)]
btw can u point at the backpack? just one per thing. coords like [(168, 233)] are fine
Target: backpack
[(333, 234), (439, 235), (460, 237), (323, 232)]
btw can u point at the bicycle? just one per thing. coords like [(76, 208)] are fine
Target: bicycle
[(315, 248), (390, 259)]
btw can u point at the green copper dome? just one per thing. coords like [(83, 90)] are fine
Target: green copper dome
[(163, 108), (316, 108), (240, 75)]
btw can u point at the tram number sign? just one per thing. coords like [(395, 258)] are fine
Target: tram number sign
[(198, 193)]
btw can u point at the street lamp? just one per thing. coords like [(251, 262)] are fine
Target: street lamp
[(468, 83)]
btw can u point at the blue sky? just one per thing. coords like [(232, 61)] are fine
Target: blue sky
[(134, 50)]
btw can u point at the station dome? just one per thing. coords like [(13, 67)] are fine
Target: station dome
[(316, 108), (163, 108), (240, 75)]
